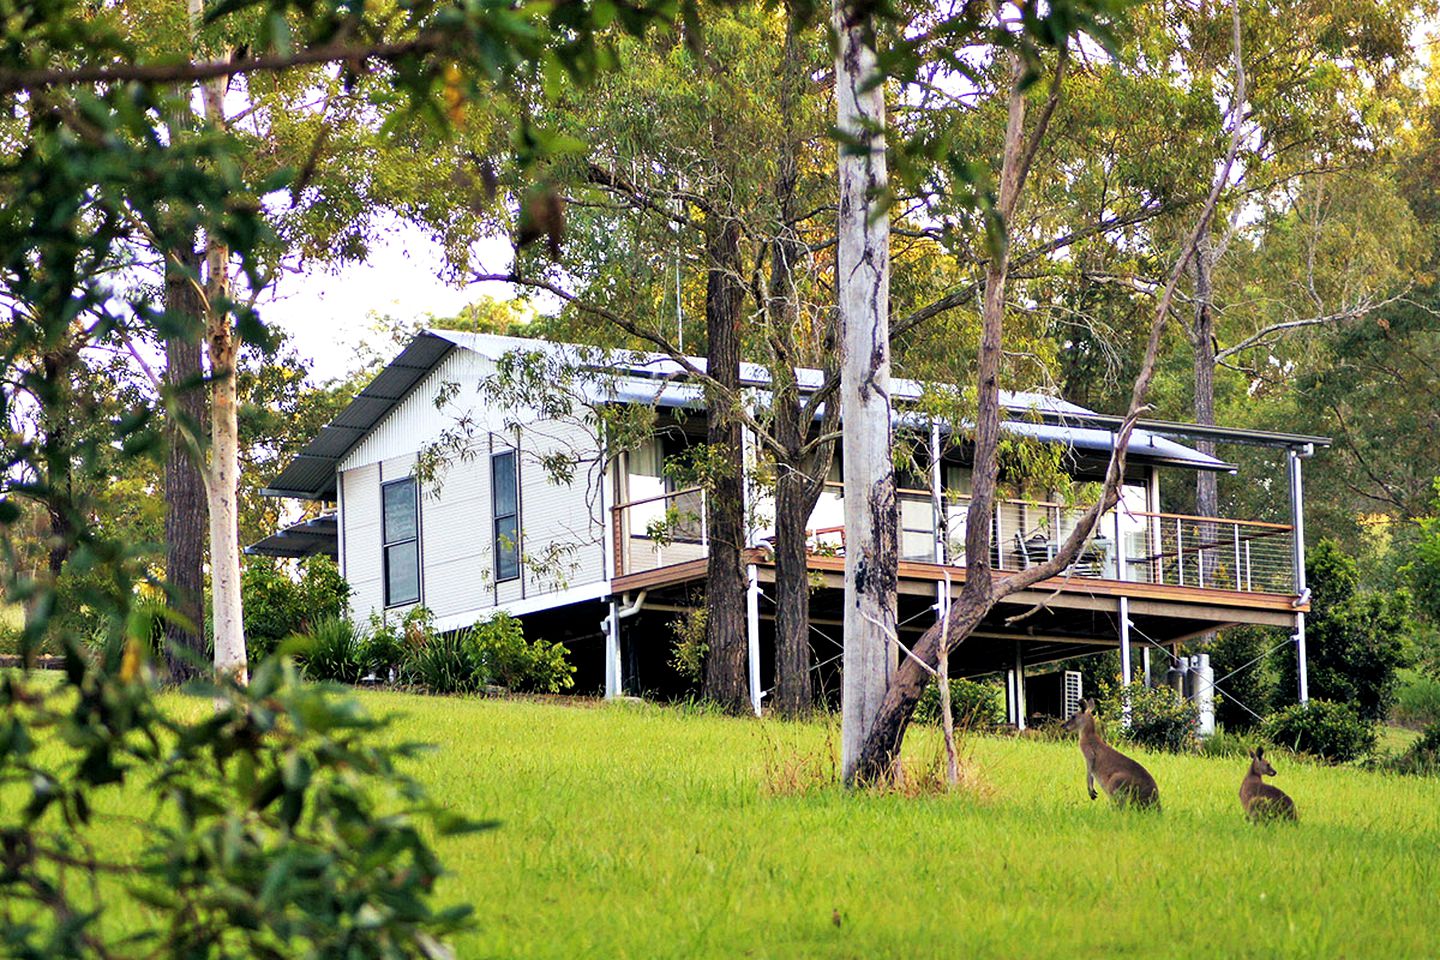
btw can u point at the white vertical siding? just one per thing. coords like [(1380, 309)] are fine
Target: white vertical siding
[(456, 526), (360, 519), (559, 514), (455, 546)]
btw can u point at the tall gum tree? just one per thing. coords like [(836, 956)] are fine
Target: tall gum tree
[(879, 752), (862, 280)]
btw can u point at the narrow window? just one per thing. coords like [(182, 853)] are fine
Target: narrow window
[(505, 504), (401, 533)]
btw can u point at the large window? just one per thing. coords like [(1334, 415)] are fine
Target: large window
[(505, 506), (401, 532)]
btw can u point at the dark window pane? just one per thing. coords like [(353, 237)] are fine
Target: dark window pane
[(399, 511), (507, 549), (502, 476), (402, 573)]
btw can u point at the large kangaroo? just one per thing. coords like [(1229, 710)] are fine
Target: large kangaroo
[(1260, 800), (1122, 779)]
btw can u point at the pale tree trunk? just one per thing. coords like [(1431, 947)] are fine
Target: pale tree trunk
[(862, 279), (222, 477), (222, 480), (185, 510), (726, 680), (881, 749)]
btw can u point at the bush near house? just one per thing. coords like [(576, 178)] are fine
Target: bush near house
[(493, 652), (1356, 639), (1423, 757), (1334, 732), (1160, 718), (974, 705), (278, 605)]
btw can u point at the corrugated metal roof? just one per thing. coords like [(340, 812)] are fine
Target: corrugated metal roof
[(311, 475), (656, 378), (305, 538)]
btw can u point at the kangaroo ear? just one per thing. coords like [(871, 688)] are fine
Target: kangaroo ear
[(1259, 753)]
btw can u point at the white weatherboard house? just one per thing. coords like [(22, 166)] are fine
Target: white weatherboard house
[(607, 557)]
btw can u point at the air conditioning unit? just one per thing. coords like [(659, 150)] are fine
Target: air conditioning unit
[(1056, 694)]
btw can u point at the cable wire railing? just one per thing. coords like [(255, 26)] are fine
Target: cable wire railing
[(1218, 553)]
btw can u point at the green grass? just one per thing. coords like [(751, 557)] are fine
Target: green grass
[(641, 832), (631, 830)]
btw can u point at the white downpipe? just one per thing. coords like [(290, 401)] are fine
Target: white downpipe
[(611, 625)]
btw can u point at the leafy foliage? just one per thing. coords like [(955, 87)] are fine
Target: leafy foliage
[(278, 605), (1356, 638), (1240, 656), (1160, 718), (502, 656), (493, 652), (280, 826), (1335, 732), (975, 705), (334, 649)]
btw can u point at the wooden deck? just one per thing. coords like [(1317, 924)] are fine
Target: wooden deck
[(917, 579)]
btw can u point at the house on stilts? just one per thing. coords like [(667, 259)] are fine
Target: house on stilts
[(606, 554)]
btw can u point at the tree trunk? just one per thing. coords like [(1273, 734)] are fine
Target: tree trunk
[(801, 476), (186, 514), (1207, 494), (863, 288), (880, 749), (222, 480), (57, 448), (726, 634), (222, 476)]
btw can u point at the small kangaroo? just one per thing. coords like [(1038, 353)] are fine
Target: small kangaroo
[(1260, 800), (1122, 779)]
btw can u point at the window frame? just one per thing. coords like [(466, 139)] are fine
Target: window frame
[(497, 518), (386, 545)]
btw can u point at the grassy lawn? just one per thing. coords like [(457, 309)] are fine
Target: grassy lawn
[(636, 831)]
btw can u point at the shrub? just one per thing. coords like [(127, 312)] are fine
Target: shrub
[(1423, 757), (1239, 655), (503, 657), (1355, 639), (388, 643), (278, 605), (688, 656), (333, 650), (1417, 699), (280, 823), (1160, 718), (974, 705), (1334, 732), (444, 663)]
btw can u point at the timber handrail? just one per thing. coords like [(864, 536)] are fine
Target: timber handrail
[(659, 496), (1187, 516)]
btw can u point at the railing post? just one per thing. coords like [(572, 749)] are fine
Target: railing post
[(752, 631), (1235, 532), (1119, 546), (1125, 667), (1179, 553), (704, 524), (1297, 534), (937, 494)]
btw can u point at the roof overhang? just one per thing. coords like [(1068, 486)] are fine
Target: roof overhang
[(306, 538), (311, 475)]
